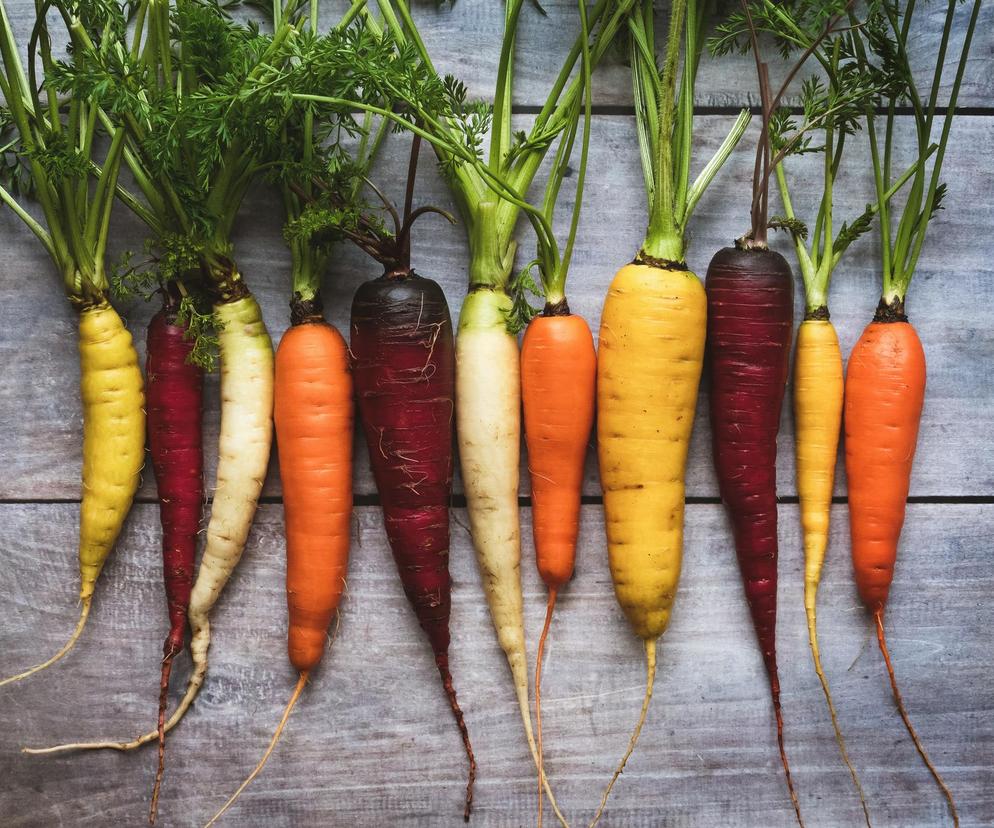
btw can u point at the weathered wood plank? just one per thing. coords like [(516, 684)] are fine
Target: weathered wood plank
[(464, 39), (729, 81), (372, 742), (39, 409)]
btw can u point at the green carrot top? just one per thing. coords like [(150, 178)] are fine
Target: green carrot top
[(48, 147), (665, 119), (884, 43), (833, 107)]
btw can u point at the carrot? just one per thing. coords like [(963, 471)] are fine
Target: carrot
[(73, 229), (750, 308), (404, 364), (558, 373), (175, 408), (651, 347), (885, 377), (313, 415)]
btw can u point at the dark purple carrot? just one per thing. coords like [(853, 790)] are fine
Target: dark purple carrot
[(404, 373), (174, 388), (750, 316)]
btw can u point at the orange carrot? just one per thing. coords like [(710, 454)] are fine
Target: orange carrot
[(885, 391), (313, 415), (558, 374)]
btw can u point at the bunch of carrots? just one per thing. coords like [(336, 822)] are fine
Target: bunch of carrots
[(198, 107)]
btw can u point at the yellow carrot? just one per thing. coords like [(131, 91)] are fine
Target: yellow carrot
[(648, 370), (113, 448)]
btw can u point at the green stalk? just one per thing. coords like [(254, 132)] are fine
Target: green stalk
[(555, 281), (900, 257)]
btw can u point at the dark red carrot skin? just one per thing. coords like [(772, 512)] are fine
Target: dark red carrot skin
[(404, 372), (402, 344), (750, 319), (174, 409)]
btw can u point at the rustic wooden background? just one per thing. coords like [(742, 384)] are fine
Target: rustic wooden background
[(372, 742)]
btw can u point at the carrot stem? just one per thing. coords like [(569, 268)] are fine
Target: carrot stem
[(84, 613), (269, 750), (650, 670), (553, 594), (878, 616)]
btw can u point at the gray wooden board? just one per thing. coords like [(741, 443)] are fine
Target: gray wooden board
[(39, 407), (372, 742)]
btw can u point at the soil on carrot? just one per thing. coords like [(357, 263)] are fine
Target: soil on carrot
[(303, 310), (892, 311), (819, 314)]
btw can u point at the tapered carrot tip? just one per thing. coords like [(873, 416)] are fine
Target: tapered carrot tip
[(167, 666), (823, 680), (650, 669), (84, 612), (450, 694), (882, 641), (538, 697), (269, 750), (775, 689)]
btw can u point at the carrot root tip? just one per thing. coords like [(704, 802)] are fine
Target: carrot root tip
[(899, 701)]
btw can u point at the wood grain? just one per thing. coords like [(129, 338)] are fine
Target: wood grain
[(372, 742), (40, 414)]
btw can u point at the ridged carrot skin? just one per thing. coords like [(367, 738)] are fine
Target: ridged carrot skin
[(313, 415), (113, 435), (174, 408), (818, 393), (558, 376), (404, 363), (648, 372), (885, 392), (750, 318)]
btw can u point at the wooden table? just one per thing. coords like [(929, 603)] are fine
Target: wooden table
[(372, 742)]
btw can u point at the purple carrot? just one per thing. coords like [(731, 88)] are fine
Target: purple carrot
[(174, 391), (404, 372), (750, 318)]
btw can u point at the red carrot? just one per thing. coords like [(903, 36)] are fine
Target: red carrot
[(174, 389), (404, 376), (750, 316)]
